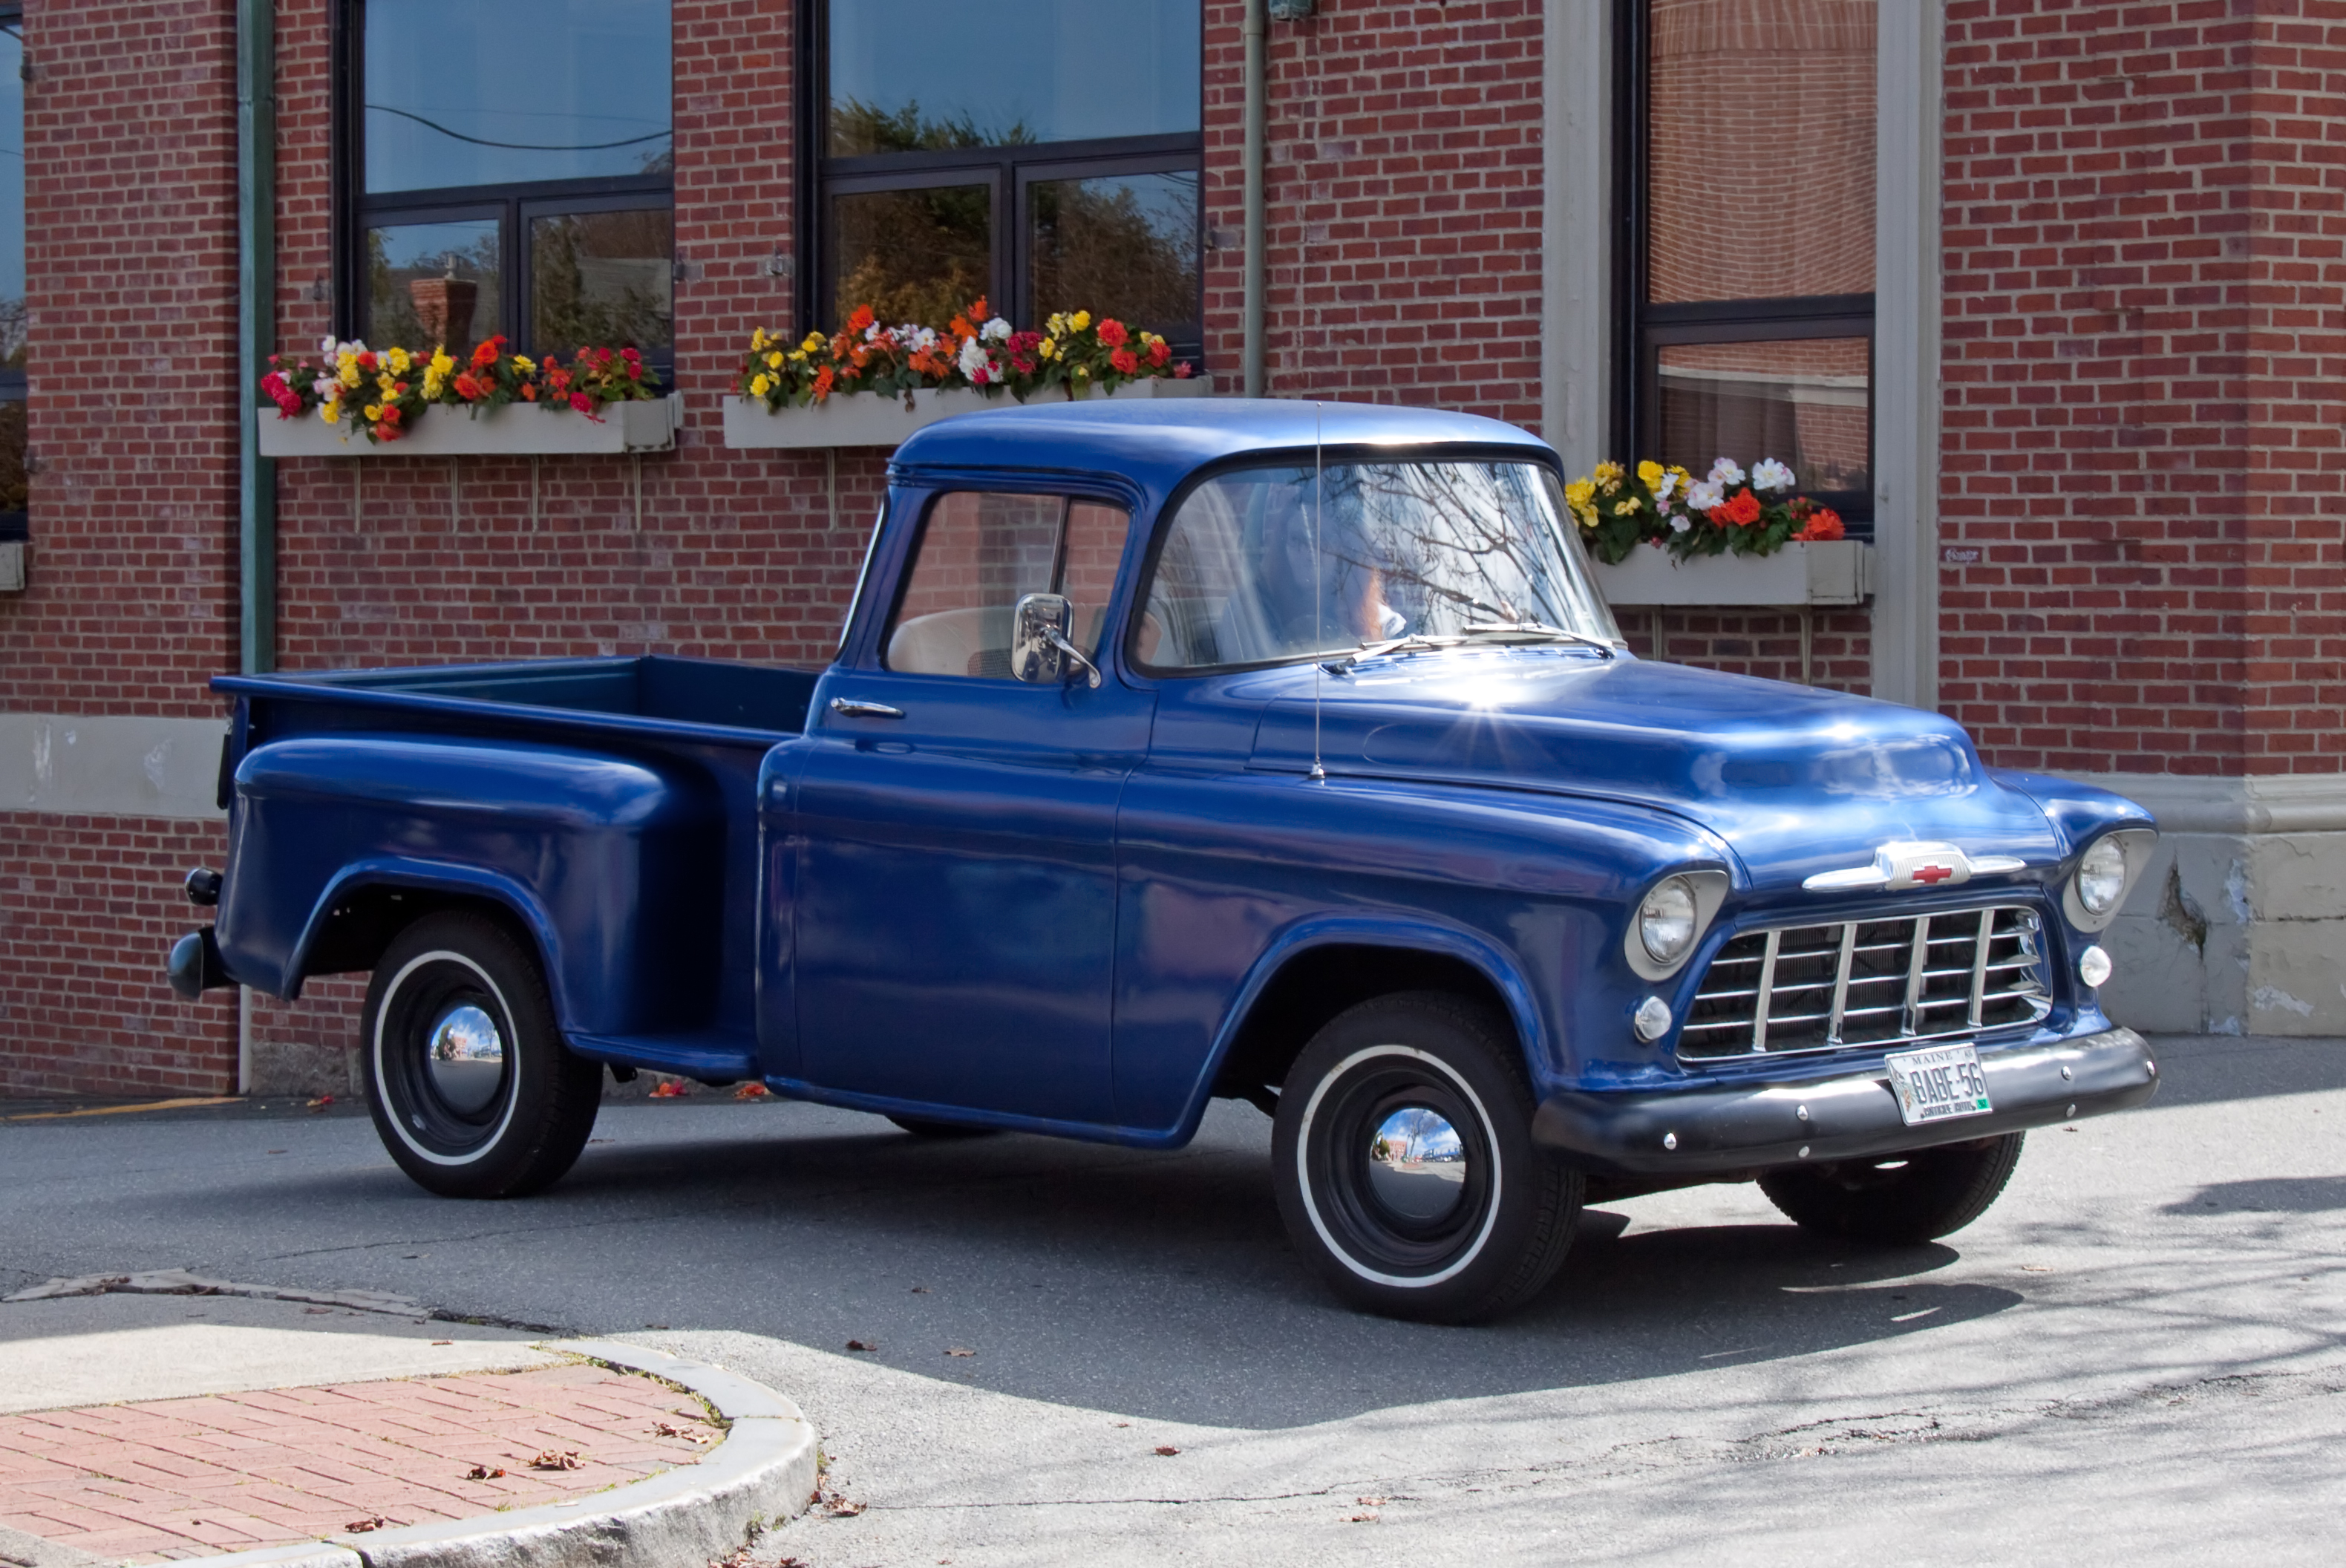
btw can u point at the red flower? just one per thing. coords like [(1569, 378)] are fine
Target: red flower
[(823, 380), (860, 320), (1824, 523), (1743, 511), (601, 358), (486, 354), (366, 361), (390, 414), (1125, 361), (467, 388), (529, 391), (1183, 371), (1112, 333), (582, 402), (1159, 352)]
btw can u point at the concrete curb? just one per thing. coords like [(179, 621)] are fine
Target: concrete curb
[(762, 1473)]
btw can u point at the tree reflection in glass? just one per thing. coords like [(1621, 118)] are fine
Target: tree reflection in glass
[(605, 279), (915, 255), (1123, 245)]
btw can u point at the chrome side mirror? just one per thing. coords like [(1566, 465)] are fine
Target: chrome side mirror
[(1040, 652)]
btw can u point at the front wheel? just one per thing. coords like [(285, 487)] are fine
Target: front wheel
[(1404, 1166), (1898, 1199), (472, 1089)]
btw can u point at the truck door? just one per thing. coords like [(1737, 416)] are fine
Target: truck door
[(956, 827)]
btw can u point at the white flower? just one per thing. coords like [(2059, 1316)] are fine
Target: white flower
[(872, 331), (923, 339), (1724, 472), (326, 345), (974, 364), (1705, 494), (1678, 524), (996, 330), (1770, 474), (1665, 489)]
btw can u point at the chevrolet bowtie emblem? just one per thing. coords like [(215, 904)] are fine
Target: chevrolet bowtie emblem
[(1915, 865)]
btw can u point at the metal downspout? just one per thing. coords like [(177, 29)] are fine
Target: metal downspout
[(256, 333), (1256, 93), (255, 329)]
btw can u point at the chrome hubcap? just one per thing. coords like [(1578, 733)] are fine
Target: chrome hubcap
[(1417, 1166), (466, 1059)]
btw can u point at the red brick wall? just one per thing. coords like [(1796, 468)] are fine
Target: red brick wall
[(1403, 187), (2143, 383), (130, 142)]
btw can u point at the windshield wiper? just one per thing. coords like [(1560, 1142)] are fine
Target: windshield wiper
[(1405, 644), (1534, 631)]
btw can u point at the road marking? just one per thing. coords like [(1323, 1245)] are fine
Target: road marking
[(122, 1110)]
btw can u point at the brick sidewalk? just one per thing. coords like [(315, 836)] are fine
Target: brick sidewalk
[(188, 1478)]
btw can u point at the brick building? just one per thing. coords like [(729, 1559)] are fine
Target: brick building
[(2047, 295)]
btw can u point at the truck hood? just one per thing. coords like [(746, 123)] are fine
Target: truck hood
[(1796, 780)]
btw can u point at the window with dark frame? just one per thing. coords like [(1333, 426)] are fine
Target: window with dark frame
[(506, 166), (1055, 166), (15, 511), (1745, 260)]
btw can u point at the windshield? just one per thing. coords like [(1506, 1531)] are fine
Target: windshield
[(1403, 550)]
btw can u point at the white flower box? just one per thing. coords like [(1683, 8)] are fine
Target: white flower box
[(1831, 572), (864, 419), (517, 428)]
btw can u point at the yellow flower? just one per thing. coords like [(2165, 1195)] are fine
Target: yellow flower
[(1609, 473), (1680, 475), (813, 340), (1048, 349), (773, 362), (1650, 474), (760, 385), (798, 356), (1080, 320), (373, 412), (441, 363), (398, 361), (385, 385), (758, 340), (330, 411), (1057, 324), (1623, 508), (348, 372), (524, 365), (1580, 494)]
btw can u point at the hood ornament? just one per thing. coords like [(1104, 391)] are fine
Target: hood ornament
[(1916, 864)]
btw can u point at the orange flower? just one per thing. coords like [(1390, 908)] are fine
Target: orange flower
[(1111, 332), (1824, 523), (860, 320), (823, 381), (1743, 510), (1125, 361), (486, 354)]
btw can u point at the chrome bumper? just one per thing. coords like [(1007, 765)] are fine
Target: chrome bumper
[(1754, 1126)]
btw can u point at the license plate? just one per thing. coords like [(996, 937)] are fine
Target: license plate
[(1936, 1085)]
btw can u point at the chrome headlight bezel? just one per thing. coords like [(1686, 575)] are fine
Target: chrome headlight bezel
[(2101, 876), (2134, 844), (1707, 891)]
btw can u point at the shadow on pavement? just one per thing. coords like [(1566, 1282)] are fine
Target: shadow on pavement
[(2288, 1195), (2201, 1069)]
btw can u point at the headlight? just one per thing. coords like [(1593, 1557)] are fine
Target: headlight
[(1666, 920), (2101, 876)]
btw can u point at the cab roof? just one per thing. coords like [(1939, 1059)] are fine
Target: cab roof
[(1156, 442)]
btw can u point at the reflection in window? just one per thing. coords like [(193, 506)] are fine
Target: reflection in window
[(499, 92), (1023, 71), (13, 316), (475, 116), (916, 255), (430, 284), (1123, 246), (1761, 116), (981, 553), (602, 278), (1073, 125), (1804, 402), (1271, 563)]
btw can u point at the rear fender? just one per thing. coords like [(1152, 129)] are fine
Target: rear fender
[(442, 885)]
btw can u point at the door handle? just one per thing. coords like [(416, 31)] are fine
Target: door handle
[(854, 708)]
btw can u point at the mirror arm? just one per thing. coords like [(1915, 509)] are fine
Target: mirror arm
[(1059, 641)]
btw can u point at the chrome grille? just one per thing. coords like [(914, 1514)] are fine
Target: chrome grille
[(1869, 983)]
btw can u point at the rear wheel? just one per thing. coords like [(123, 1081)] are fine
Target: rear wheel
[(1404, 1166), (1899, 1199), (473, 1091)]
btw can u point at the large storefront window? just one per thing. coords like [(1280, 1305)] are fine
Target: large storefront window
[(12, 314), (1749, 281), (1054, 166), (511, 171)]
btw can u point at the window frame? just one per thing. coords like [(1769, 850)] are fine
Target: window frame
[(1067, 495), (1010, 170), (15, 385), (513, 204), (1643, 329)]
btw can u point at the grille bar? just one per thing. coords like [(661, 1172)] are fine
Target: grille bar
[(1861, 982)]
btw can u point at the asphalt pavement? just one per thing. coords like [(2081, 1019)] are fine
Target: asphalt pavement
[(2135, 1356)]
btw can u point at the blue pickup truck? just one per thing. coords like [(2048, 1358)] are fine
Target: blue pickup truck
[(1264, 750)]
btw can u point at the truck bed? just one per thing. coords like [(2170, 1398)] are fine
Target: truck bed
[(351, 767)]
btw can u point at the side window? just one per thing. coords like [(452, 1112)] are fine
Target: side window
[(981, 553)]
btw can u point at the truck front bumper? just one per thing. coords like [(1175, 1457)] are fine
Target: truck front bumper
[(1747, 1126)]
